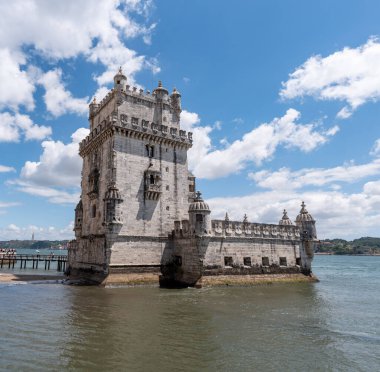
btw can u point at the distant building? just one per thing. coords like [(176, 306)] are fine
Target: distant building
[(140, 213)]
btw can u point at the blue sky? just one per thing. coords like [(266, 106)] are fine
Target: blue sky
[(282, 98)]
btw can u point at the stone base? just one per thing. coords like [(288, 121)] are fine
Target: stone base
[(248, 280), (155, 278)]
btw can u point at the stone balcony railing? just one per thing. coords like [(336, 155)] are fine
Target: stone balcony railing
[(254, 230)]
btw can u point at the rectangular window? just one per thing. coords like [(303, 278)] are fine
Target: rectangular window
[(135, 121), (247, 261), (265, 261), (178, 260), (150, 151), (298, 261), (191, 188), (282, 261), (228, 261)]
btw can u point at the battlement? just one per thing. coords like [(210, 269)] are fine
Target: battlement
[(237, 229), (257, 230), (135, 127), (135, 96)]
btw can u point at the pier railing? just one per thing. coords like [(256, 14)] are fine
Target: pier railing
[(12, 261)]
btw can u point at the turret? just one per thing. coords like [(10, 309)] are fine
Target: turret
[(160, 92), (119, 80), (93, 108), (78, 219), (175, 100), (113, 213), (199, 216), (285, 220), (306, 224)]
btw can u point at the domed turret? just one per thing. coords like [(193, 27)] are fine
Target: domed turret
[(285, 220), (112, 200), (175, 100), (306, 224), (198, 205), (119, 80), (199, 216), (160, 92), (78, 219), (304, 215)]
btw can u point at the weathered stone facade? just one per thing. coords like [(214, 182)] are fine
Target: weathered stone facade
[(139, 212)]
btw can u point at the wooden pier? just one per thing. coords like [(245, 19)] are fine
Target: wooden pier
[(43, 260)]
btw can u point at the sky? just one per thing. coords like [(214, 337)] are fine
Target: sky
[(282, 97)]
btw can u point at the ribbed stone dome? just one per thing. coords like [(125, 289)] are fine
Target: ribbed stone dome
[(285, 219), (304, 214), (198, 205)]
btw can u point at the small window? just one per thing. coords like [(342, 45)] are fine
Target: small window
[(167, 208), (167, 169), (228, 261), (178, 260), (93, 211), (198, 218), (151, 179), (191, 188), (118, 81), (150, 151), (265, 261), (298, 261), (282, 261), (167, 187), (247, 261)]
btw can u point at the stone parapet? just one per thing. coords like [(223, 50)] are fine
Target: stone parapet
[(239, 229), (153, 132)]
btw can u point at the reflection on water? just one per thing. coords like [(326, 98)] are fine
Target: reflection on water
[(331, 325)]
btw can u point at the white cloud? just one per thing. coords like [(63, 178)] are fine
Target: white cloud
[(16, 87), (238, 121), (189, 120), (62, 30), (376, 148), (284, 178), (58, 100), (56, 195), (13, 231), (12, 127), (351, 75), (66, 29), (256, 146), (5, 169), (56, 175), (59, 165)]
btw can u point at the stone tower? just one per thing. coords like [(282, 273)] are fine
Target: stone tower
[(308, 234), (199, 217), (135, 181)]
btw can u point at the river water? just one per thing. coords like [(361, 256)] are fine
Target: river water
[(333, 325)]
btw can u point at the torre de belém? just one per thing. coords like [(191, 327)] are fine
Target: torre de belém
[(140, 217)]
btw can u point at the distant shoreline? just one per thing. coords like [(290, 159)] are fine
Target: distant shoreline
[(344, 254)]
